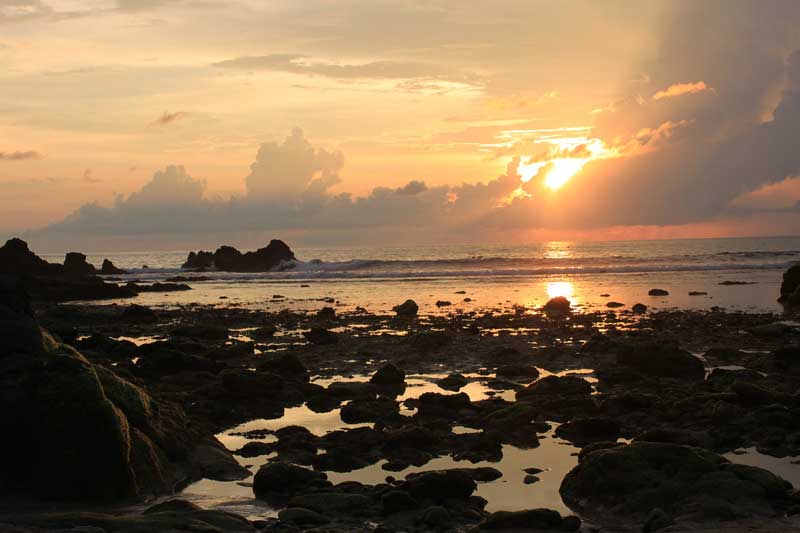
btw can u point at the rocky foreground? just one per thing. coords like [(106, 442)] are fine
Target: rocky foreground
[(99, 422)]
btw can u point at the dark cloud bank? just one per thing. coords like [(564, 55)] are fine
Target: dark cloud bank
[(685, 157)]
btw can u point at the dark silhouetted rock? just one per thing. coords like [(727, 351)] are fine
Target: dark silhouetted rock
[(532, 520), (790, 287), (327, 313), (279, 479), (108, 269), (388, 375), (657, 292), (321, 336), (614, 305), (139, 314), (630, 481), (661, 360), (276, 255), (587, 430), (75, 266), (698, 293), (287, 365), (639, 309), (443, 303), (407, 309), (439, 485), (559, 304)]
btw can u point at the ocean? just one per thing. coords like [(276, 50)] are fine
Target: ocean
[(475, 277)]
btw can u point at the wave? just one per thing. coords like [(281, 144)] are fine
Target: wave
[(461, 268)]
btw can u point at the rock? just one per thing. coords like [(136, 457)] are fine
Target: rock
[(174, 505), (373, 410), (407, 309), (302, 517), (397, 501), (75, 266), (326, 313), (657, 292), (443, 303), (697, 293), (279, 479), (628, 482), (790, 285), (208, 332), (534, 519), (287, 365), (255, 449), (436, 516), (108, 269), (157, 287), (735, 282), (556, 386), (452, 382), (114, 441), (439, 485), (559, 304), (435, 404), (331, 502), (139, 314), (664, 361), (216, 463), (276, 255), (639, 309), (512, 371), (98, 522), (587, 430), (614, 305), (321, 336), (530, 479), (388, 375)]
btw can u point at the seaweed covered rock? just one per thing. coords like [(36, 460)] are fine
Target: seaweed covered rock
[(628, 482), (81, 431)]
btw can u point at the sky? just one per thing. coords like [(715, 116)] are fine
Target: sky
[(137, 124)]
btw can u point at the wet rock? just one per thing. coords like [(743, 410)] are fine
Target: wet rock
[(326, 313), (388, 375), (614, 305), (559, 398), (439, 485), (663, 361), (530, 479), (373, 410), (276, 255), (443, 303), (321, 336), (279, 479), (657, 292), (157, 287), (108, 269), (583, 431), (556, 386), (397, 501), (201, 331), (452, 382), (436, 516), (435, 404), (513, 371), (139, 314), (629, 481), (534, 519), (698, 293), (174, 505), (559, 304), (302, 517), (407, 309), (255, 449), (736, 282), (286, 365), (639, 309), (215, 462), (330, 501)]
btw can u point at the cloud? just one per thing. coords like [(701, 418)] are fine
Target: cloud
[(300, 64), (680, 89), (19, 156), (168, 118)]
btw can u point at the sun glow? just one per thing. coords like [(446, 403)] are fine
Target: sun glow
[(560, 288), (567, 158)]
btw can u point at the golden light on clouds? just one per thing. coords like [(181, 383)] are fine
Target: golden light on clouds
[(567, 157)]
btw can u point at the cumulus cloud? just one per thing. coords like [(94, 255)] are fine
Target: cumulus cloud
[(19, 155)]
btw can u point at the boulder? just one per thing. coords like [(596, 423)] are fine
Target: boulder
[(439, 485), (790, 285), (628, 482), (583, 431), (321, 336), (662, 361), (452, 382), (407, 309), (276, 255), (559, 304), (657, 292), (639, 309), (139, 314), (388, 375), (108, 269), (75, 266), (279, 479), (534, 519)]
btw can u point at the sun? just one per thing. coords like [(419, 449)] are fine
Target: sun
[(561, 170)]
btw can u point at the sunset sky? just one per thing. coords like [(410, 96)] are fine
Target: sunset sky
[(162, 123)]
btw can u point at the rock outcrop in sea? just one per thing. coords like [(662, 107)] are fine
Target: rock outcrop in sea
[(275, 256)]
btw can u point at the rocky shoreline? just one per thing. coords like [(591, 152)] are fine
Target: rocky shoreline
[(653, 400)]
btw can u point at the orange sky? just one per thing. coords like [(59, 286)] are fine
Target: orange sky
[(639, 113)]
